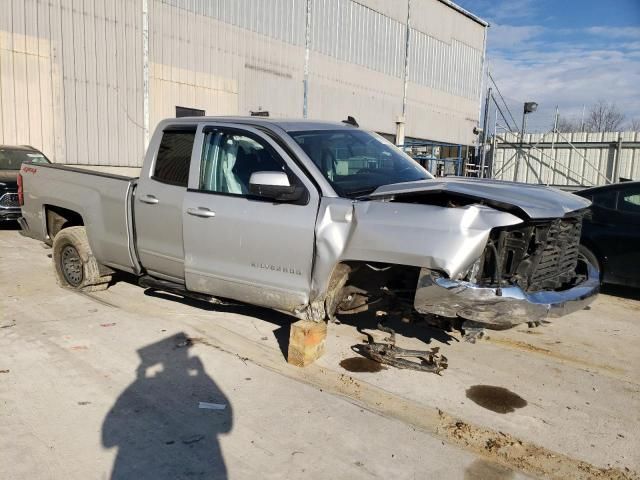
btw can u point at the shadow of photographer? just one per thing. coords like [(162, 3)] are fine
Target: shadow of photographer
[(156, 425)]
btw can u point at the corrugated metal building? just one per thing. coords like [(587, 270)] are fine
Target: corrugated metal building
[(87, 80)]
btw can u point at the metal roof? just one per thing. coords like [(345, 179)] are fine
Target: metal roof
[(286, 124), (611, 186), (466, 13)]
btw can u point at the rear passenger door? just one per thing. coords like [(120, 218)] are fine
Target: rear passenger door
[(624, 259), (238, 245), (158, 205)]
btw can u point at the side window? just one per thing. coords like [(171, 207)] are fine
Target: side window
[(629, 201), (174, 157), (606, 199), (230, 157)]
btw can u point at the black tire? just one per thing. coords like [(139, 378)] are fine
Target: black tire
[(74, 264), (591, 258)]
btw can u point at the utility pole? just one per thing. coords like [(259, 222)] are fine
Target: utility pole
[(528, 108), (402, 119), (616, 168), (483, 135), (521, 152), (553, 144), (494, 143), (307, 48), (145, 71)]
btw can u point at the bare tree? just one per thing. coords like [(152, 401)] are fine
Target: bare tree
[(568, 125), (634, 125), (604, 117)]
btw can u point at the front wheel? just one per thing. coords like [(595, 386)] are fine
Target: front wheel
[(74, 264), (587, 256)]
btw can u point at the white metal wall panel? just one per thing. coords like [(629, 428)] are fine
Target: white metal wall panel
[(354, 33), (71, 73), (70, 79), (221, 58), (444, 23), (338, 89), (571, 161), (630, 162), (283, 20)]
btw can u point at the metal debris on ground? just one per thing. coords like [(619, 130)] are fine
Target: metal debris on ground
[(390, 354), (212, 406)]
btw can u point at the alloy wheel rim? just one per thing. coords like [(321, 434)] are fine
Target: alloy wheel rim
[(72, 265)]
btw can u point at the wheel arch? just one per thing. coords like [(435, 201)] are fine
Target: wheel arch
[(600, 256), (59, 218)]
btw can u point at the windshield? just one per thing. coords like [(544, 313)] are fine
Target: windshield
[(357, 162), (11, 159)]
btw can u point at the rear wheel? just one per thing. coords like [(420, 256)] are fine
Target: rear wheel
[(74, 264)]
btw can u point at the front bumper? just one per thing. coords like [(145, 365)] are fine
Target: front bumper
[(451, 298), (9, 214), (9, 207)]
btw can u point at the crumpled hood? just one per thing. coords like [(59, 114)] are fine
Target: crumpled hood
[(9, 179), (536, 201)]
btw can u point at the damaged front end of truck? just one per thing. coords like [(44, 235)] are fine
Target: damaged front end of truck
[(455, 252), (525, 274)]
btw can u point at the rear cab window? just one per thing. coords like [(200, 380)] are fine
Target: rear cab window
[(174, 156)]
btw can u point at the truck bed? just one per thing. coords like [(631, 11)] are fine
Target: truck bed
[(103, 200)]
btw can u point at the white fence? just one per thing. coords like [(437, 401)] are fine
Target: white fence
[(565, 158)]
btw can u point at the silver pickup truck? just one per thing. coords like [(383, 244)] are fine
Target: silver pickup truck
[(315, 219)]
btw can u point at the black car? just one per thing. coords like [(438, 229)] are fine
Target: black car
[(611, 234), (11, 158)]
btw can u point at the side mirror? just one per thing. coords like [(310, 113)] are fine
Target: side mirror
[(275, 186)]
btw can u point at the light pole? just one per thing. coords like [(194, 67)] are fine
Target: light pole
[(529, 107)]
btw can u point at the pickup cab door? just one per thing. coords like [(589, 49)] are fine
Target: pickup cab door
[(243, 246), (158, 202)]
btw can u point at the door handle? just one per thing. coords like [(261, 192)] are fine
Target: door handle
[(150, 199), (202, 212)]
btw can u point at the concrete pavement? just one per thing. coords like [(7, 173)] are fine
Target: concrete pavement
[(110, 382)]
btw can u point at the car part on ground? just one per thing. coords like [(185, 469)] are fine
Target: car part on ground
[(390, 354)]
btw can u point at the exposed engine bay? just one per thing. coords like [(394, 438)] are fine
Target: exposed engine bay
[(534, 257), (541, 255)]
